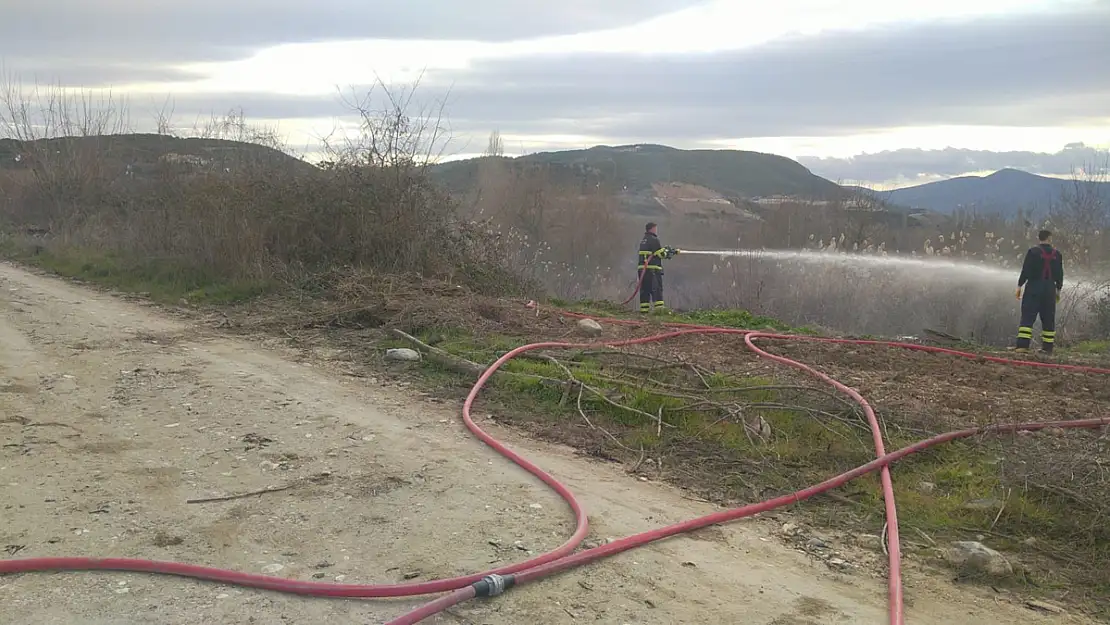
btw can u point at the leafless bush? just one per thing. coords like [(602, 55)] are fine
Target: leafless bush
[(59, 135), (562, 233), (227, 204)]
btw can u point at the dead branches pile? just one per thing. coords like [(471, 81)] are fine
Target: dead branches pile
[(637, 400)]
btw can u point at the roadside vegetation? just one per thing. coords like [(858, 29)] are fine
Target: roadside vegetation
[(228, 221), (709, 416), (363, 243)]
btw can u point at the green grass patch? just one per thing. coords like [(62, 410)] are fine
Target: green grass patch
[(732, 318), (959, 491), (590, 307), (1100, 347), (164, 280), (719, 317)]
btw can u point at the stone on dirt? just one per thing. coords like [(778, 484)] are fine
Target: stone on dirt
[(1041, 606), (974, 558), (589, 327), (873, 542), (402, 354)]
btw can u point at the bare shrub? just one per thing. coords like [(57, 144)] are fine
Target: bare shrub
[(228, 205), (560, 230)]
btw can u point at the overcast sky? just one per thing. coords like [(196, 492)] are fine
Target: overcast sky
[(808, 78)]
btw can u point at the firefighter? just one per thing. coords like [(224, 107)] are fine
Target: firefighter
[(1042, 275), (650, 263)]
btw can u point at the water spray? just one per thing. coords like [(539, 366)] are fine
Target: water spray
[(859, 260), (951, 268)]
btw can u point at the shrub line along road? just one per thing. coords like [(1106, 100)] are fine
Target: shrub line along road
[(113, 415)]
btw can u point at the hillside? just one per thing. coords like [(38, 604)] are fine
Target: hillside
[(1007, 191), (143, 152), (715, 179)]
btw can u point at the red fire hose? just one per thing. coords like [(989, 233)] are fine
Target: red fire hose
[(497, 581), (495, 584), (639, 281)]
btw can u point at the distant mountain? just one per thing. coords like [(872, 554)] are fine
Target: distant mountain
[(1006, 192), (140, 153), (654, 179)]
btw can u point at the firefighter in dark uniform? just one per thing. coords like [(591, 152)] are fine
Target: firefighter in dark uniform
[(650, 263), (1042, 275)]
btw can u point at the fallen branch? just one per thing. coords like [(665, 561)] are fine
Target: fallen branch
[(440, 357), (272, 489), (1066, 493), (620, 352), (319, 478), (570, 383), (1001, 508), (469, 368), (602, 430), (701, 377), (943, 337), (733, 389), (582, 385), (461, 365)]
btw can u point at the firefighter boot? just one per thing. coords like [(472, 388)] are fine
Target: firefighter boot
[(1048, 342)]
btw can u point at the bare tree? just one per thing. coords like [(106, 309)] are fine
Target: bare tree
[(32, 112), (1083, 213), (394, 129), (495, 147), (163, 117), (62, 135)]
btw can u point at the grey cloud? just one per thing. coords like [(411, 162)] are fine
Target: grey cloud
[(28, 71), (1047, 69), (1025, 70), (159, 32), (255, 106), (911, 164)]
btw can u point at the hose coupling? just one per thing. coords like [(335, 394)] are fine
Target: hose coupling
[(493, 584)]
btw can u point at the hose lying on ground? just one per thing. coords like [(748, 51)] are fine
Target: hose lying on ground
[(497, 581), (495, 584)]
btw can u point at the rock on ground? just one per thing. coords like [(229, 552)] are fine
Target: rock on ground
[(589, 327), (972, 558), (402, 354)]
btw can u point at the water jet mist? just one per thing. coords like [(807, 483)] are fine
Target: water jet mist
[(925, 268)]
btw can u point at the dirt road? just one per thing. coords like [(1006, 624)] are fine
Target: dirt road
[(113, 415)]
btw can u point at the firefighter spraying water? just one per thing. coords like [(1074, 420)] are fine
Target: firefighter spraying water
[(650, 272)]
